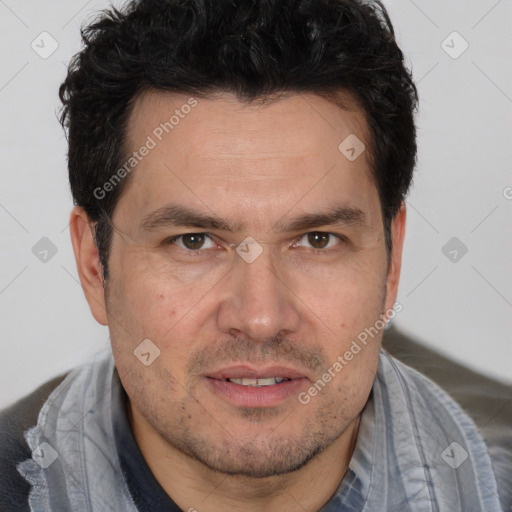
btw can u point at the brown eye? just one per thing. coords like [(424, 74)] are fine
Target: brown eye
[(318, 240), (193, 241)]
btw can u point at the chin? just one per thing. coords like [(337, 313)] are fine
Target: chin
[(261, 457)]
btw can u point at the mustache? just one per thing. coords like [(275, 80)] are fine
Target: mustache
[(277, 349)]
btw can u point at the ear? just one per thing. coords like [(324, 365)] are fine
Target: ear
[(88, 263), (395, 258)]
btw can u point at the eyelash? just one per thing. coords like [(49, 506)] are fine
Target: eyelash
[(342, 240)]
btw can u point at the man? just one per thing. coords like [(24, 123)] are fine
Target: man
[(239, 172)]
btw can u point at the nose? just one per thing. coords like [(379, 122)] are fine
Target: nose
[(258, 303)]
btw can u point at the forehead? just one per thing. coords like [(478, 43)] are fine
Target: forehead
[(216, 124), (223, 154)]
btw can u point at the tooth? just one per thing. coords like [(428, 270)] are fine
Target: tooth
[(245, 382), (266, 382), (269, 381)]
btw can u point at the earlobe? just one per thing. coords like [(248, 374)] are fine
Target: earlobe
[(395, 263), (88, 264)]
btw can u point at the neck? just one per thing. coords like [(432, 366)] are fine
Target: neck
[(195, 487)]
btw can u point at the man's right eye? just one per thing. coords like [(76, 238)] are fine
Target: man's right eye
[(191, 241)]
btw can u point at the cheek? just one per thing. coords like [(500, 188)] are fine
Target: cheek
[(152, 281), (353, 382), (350, 308), (149, 299), (146, 304), (349, 299)]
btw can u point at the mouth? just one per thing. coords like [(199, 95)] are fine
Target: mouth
[(246, 386), (258, 383)]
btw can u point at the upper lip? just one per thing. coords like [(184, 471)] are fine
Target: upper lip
[(241, 371)]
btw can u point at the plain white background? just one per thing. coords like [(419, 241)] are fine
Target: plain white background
[(462, 189)]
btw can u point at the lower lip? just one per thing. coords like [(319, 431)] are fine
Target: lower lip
[(252, 396)]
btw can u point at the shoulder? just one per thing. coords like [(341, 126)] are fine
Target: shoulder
[(14, 421), (487, 402)]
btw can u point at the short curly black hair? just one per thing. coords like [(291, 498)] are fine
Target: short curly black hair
[(254, 49)]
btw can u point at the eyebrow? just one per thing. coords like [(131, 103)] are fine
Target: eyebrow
[(180, 215)]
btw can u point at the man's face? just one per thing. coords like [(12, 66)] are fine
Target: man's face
[(216, 313)]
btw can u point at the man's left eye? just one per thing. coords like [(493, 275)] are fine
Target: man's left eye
[(320, 240)]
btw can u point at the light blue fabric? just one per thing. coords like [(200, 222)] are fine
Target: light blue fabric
[(76, 422), (404, 459)]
